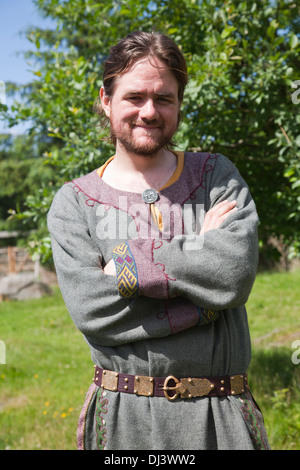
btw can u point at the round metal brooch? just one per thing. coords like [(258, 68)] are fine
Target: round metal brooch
[(149, 196)]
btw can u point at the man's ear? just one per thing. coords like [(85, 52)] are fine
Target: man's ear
[(105, 101)]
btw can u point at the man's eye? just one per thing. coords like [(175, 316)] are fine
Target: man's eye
[(133, 98), (164, 99)]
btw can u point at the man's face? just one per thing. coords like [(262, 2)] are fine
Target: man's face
[(144, 108)]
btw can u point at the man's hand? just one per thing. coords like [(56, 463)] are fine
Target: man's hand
[(110, 268), (216, 216), (213, 219)]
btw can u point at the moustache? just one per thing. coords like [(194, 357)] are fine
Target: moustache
[(146, 125)]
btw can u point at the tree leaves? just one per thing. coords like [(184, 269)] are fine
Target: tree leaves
[(243, 58)]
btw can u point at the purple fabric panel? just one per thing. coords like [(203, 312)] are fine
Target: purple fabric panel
[(151, 277), (182, 314), (193, 176)]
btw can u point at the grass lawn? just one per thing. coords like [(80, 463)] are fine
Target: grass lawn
[(45, 378), (274, 319), (48, 367)]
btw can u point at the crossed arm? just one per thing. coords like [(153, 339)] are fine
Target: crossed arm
[(218, 276), (213, 219)]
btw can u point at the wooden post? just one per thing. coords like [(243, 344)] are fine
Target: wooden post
[(11, 260), (37, 267)]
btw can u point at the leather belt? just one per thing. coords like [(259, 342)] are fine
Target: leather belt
[(171, 387)]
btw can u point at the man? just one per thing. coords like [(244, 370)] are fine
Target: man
[(157, 288)]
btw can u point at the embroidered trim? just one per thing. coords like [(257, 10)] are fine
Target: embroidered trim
[(126, 270), (101, 429), (205, 169), (252, 421), (90, 202), (83, 416), (206, 316)]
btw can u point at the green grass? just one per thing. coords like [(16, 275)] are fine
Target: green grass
[(44, 380), (48, 367), (274, 319), (273, 308)]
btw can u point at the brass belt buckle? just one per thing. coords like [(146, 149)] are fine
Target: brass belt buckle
[(187, 388), (179, 388)]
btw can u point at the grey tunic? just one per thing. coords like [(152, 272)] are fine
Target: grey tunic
[(177, 306)]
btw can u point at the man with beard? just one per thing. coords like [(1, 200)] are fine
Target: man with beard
[(156, 254)]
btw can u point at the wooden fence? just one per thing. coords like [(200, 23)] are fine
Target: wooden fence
[(15, 260)]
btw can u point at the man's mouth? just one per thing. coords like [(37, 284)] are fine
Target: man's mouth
[(147, 126)]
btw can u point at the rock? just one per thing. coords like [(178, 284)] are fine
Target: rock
[(23, 286)]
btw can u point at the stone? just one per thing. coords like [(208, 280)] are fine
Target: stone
[(23, 286)]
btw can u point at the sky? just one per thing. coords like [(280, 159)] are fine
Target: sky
[(15, 17)]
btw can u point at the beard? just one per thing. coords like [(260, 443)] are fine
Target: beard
[(147, 144)]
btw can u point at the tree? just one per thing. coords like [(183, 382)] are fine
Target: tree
[(22, 172), (243, 58)]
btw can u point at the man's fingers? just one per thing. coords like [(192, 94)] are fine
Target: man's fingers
[(223, 207), (216, 216), (227, 213), (110, 268)]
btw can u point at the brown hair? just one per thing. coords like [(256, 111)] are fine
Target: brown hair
[(134, 47)]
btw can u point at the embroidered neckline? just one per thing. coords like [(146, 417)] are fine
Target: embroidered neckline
[(155, 212), (94, 187)]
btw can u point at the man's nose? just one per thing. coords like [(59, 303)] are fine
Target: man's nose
[(149, 111)]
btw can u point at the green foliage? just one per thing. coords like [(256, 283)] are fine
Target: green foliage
[(23, 171), (243, 58)]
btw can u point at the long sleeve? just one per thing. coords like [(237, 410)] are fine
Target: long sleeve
[(216, 270), (92, 298)]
